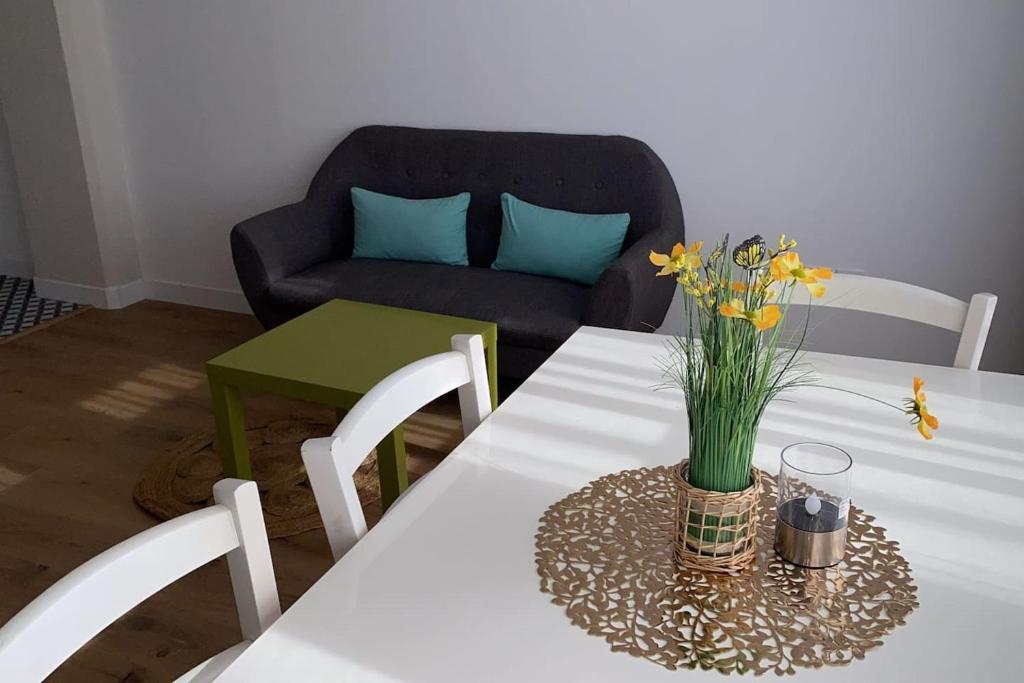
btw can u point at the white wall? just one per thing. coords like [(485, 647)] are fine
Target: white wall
[(45, 146), (888, 136), (15, 253), (92, 80)]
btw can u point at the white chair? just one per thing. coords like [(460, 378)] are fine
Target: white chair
[(331, 461), (76, 608), (902, 300)]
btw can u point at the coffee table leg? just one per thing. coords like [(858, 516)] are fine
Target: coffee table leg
[(394, 477), (230, 442), (491, 353)]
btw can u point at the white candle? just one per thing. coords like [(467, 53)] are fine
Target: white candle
[(812, 504)]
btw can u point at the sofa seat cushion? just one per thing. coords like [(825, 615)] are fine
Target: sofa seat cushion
[(530, 310)]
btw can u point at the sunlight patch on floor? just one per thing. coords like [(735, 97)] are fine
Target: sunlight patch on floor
[(152, 387), (10, 478)]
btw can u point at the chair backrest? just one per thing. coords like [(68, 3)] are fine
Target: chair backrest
[(902, 300), (76, 608), (331, 461)]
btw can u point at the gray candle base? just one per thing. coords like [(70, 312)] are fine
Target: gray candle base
[(813, 541)]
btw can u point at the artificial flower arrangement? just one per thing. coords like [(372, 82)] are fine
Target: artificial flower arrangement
[(734, 358)]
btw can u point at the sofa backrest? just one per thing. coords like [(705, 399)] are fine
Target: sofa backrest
[(582, 173)]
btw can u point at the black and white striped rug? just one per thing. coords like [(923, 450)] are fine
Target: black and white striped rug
[(20, 308)]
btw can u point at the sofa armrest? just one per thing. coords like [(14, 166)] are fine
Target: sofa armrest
[(628, 295), (279, 243)]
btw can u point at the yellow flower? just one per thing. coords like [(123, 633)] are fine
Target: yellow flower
[(785, 245), (716, 253), (787, 266), (741, 288), (692, 284), (763, 318), (681, 258), (918, 411), (687, 277)]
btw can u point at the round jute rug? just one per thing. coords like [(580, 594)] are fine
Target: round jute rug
[(181, 479)]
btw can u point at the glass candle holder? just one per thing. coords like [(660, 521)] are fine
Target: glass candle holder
[(813, 505)]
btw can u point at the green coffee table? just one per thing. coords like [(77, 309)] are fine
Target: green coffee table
[(333, 355)]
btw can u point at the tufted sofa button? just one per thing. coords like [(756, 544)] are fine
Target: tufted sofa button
[(446, 175), (599, 185), (408, 172), (480, 176), (517, 180), (560, 182)]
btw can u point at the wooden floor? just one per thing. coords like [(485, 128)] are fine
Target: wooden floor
[(84, 404)]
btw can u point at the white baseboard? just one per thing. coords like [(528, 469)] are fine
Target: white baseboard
[(194, 295), (128, 294), (117, 296), (15, 267), (125, 295)]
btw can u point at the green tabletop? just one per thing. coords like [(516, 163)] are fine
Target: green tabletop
[(333, 354)]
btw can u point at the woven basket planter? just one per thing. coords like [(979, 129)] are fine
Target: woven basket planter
[(716, 531)]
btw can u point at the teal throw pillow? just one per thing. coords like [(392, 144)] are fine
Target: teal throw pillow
[(562, 244), (395, 228)]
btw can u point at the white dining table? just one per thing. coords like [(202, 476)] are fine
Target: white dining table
[(445, 588)]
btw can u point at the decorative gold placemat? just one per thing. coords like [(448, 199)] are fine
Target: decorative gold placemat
[(605, 554)]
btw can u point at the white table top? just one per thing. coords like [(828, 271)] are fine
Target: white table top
[(445, 587)]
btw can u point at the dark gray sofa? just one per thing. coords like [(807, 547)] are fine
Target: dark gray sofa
[(296, 257)]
